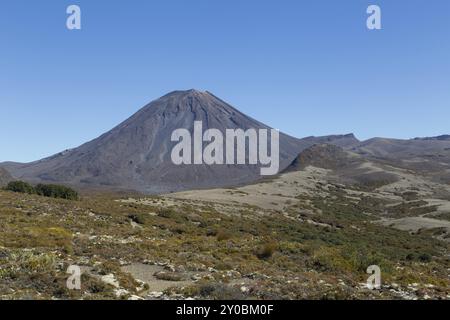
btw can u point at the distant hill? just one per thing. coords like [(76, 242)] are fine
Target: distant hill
[(445, 137), (427, 156), (344, 166), (5, 177), (325, 156)]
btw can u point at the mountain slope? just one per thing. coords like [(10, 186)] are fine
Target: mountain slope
[(344, 166), (427, 156), (325, 156), (5, 177), (137, 153)]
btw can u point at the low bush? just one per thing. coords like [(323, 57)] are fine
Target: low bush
[(138, 218), (56, 191), (45, 190), (223, 235), (168, 276), (267, 250), (218, 291), (21, 187)]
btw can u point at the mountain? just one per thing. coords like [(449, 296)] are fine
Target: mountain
[(426, 156), (325, 156), (345, 140), (5, 177), (344, 166), (136, 155), (444, 137), (404, 149)]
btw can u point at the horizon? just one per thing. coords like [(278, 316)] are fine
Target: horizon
[(315, 64)]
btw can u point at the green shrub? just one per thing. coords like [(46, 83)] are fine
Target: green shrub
[(56, 191), (218, 291), (20, 186), (139, 218), (425, 257), (45, 190)]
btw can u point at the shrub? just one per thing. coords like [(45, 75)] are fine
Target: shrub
[(45, 190), (168, 213), (168, 276), (139, 218), (223, 235), (56, 191), (219, 291), (211, 232), (20, 186), (425, 257), (267, 250)]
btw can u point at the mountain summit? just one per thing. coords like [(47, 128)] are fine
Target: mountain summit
[(136, 155)]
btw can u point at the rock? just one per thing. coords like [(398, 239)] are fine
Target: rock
[(233, 274), (141, 285), (256, 276), (244, 289), (194, 217), (155, 294), (123, 262), (196, 277), (111, 280), (121, 292), (170, 268), (180, 269)]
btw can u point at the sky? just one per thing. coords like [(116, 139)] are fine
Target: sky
[(306, 67)]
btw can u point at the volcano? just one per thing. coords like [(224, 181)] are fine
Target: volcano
[(136, 155)]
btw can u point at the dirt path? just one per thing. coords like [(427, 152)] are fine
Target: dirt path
[(145, 273)]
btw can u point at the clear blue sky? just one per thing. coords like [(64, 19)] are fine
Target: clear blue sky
[(305, 67)]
